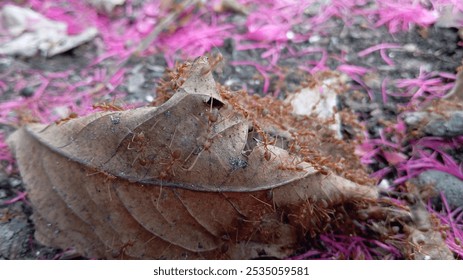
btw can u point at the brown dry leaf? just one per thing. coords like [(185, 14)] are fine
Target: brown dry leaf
[(203, 175)]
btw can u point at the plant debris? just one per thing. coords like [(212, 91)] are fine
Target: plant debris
[(200, 176), (31, 33)]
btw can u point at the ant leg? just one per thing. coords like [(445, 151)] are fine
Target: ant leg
[(131, 141), (154, 125), (194, 162), (135, 159), (172, 139)]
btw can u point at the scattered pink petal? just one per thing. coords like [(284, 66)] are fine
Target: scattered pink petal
[(394, 158), (353, 69), (21, 196), (400, 15), (386, 58)]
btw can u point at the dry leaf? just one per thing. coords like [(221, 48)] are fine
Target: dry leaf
[(200, 176)]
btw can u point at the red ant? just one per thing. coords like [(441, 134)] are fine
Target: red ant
[(206, 139), (107, 107), (123, 249), (139, 141), (213, 63), (175, 156), (295, 167), (70, 117), (265, 141)]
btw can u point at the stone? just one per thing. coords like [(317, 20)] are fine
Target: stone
[(449, 185)]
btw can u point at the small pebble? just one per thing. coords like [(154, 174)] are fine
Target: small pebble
[(3, 194), (449, 185), (27, 92), (314, 39), (14, 182), (290, 35), (410, 47), (135, 81), (149, 98)]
